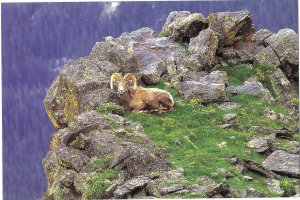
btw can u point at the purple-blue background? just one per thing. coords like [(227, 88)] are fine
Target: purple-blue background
[(38, 38)]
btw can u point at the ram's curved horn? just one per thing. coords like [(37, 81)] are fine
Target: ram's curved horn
[(130, 77), (115, 77)]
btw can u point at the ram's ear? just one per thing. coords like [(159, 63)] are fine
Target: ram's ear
[(115, 77)]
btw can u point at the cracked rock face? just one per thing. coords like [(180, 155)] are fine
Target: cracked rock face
[(259, 144), (232, 27), (183, 25), (283, 163)]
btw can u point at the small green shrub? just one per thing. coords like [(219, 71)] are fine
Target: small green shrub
[(165, 33), (111, 108), (288, 187)]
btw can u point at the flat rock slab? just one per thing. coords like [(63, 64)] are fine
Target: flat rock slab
[(259, 144), (283, 163), (229, 105), (131, 185)]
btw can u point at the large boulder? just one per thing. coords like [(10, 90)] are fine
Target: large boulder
[(283, 163), (183, 25), (203, 48), (266, 57), (82, 85), (232, 27), (210, 88), (285, 45)]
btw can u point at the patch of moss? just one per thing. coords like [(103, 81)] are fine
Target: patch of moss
[(98, 163), (99, 184), (106, 108)]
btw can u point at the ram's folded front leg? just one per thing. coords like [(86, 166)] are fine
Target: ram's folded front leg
[(137, 105)]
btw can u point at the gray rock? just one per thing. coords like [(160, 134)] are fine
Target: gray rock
[(225, 173), (222, 189), (229, 116), (229, 105), (228, 52), (261, 35), (203, 48), (285, 44), (266, 57), (67, 178), (173, 16), (284, 163), (258, 168), (71, 158), (152, 73), (283, 88), (172, 188), (76, 90), (131, 185), (178, 142), (182, 25), (249, 87), (210, 88), (260, 144), (250, 193), (116, 118), (232, 27)]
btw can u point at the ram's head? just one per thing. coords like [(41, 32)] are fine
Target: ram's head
[(123, 82)]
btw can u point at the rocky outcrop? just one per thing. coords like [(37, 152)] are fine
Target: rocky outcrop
[(89, 149), (96, 156)]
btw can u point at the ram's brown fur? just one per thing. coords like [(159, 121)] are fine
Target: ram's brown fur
[(138, 98)]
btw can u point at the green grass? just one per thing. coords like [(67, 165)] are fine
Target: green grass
[(165, 33), (95, 164), (237, 75), (197, 127)]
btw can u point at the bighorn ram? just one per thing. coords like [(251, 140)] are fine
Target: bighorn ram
[(138, 98)]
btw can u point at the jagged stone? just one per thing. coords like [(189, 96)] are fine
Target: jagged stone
[(266, 57), (283, 163), (285, 45), (260, 144), (232, 27), (131, 185), (225, 173), (173, 188), (76, 90), (256, 167), (274, 186), (71, 158), (203, 48), (183, 25), (261, 35), (222, 189)]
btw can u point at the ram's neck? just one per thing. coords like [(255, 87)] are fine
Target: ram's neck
[(126, 98)]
